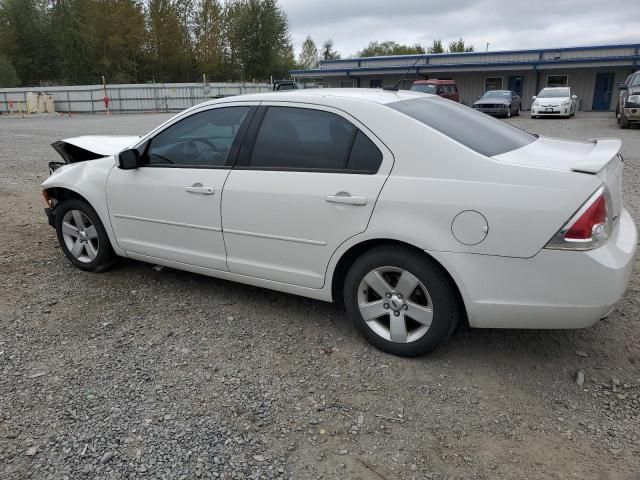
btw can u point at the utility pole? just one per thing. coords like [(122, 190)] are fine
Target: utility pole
[(487, 46)]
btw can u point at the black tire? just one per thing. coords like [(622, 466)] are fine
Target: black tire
[(534, 116), (518, 110), (105, 256), (446, 307), (624, 121)]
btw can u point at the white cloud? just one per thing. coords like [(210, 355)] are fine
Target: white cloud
[(504, 25)]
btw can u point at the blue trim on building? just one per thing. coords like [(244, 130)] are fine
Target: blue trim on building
[(497, 52), (454, 65), (633, 59)]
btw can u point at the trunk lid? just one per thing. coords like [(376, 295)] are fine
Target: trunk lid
[(598, 157), (90, 147)]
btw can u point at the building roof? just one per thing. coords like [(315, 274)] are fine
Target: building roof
[(566, 57)]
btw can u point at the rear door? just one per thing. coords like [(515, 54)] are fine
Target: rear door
[(306, 182)]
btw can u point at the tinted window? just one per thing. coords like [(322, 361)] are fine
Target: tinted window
[(200, 140), (479, 132), (298, 138), (365, 156)]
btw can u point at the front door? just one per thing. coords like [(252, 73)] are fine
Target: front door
[(603, 91), (516, 84), (309, 182), (169, 207)]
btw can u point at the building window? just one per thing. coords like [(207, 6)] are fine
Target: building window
[(377, 83), (557, 80), (492, 83), (346, 84)]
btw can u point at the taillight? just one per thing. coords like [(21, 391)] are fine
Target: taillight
[(589, 228)]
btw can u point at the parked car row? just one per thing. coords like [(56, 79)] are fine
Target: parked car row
[(555, 101)]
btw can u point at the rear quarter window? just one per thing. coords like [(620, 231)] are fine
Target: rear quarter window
[(475, 130)]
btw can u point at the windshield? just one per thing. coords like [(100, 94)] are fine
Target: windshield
[(554, 93), (477, 131), (497, 94), (424, 88)]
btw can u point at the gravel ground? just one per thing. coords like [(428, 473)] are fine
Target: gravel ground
[(165, 374)]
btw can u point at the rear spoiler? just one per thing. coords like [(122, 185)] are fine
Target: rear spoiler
[(604, 150)]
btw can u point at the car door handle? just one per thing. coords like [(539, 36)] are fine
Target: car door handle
[(200, 189), (346, 198)]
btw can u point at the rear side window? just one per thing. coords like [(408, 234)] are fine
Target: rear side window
[(477, 131), (365, 156), (304, 139)]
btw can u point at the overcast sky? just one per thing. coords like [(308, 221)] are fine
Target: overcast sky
[(510, 24)]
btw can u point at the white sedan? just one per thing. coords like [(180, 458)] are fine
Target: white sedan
[(554, 101), (418, 213)]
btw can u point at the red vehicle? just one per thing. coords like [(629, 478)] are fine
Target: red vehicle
[(443, 88)]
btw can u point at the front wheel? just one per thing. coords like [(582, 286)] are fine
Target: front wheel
[(401, 301), (624, 121), (82, 236)]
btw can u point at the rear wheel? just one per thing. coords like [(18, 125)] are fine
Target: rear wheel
[(82, 236), (518, 110), (401, 301)]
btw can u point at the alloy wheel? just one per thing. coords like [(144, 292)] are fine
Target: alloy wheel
[(80, 236), (395, 304)]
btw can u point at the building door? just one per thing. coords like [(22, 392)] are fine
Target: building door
[(516, 84), (602, 91)]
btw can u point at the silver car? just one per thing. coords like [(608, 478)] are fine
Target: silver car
[(500, 103)]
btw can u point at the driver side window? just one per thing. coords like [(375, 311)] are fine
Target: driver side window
[(199, 140)]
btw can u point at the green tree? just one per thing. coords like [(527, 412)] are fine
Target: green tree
[(380, 49), (459, 46), (259, 41), (119, 49), (8, 75), (73, 40), (328, 53), (165, 42), (209, 33), (309, 57), (25, 39), (436, 47)]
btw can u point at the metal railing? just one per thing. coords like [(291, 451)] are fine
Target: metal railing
[(158, 97)]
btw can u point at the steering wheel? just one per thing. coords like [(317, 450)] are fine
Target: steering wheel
[(205, 156)]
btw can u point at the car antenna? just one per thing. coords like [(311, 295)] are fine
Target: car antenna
[(394, 88)]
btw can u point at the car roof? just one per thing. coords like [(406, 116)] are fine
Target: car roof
[(319, 95), (554, 88)]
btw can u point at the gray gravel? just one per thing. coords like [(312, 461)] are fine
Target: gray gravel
[(142, 372)]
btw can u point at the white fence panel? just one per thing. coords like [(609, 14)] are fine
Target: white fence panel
[(158, 97)]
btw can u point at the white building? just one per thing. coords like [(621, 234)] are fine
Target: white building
[(592, 72)]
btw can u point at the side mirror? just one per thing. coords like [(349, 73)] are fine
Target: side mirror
[(534, 97), (129, 159), (575, 97), (622, 86)]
